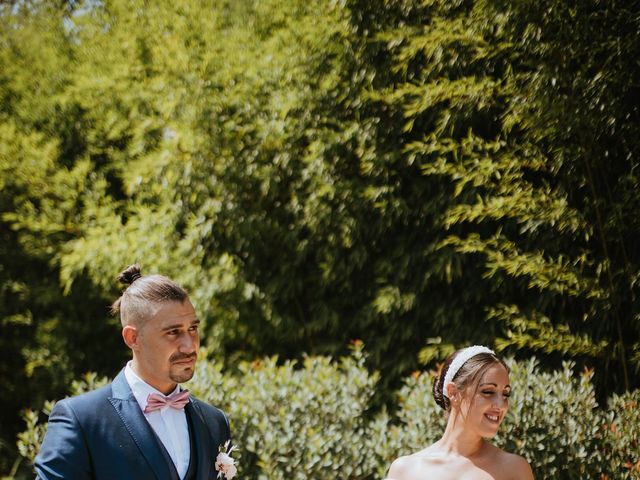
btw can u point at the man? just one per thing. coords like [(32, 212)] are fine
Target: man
[(143, 425)]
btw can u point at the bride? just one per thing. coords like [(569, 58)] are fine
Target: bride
[(473, 388)]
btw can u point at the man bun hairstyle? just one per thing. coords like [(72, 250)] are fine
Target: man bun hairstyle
[(143, 294), (467, 375), (130, 274)]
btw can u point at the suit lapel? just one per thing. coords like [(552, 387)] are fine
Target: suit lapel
[(131, 415), (202, 441)]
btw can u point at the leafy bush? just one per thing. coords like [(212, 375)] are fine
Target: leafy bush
[(621, 436), (420, 421), (553, 421), (296, 423), (312, 420)]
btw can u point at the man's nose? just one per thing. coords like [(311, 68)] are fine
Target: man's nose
[(189, 342)]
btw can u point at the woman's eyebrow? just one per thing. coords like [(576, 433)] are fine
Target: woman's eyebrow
[(494, 385)]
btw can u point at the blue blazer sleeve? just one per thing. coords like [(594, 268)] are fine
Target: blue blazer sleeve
[(63, 453)]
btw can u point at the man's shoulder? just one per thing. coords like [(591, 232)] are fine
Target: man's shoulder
[(87, 400), (212, 416), (208, 409)]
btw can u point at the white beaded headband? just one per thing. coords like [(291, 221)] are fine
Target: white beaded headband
[(460, 359)]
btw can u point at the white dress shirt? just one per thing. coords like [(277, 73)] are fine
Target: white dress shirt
[(169, 424)]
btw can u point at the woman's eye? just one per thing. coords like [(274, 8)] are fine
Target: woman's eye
[(487, 392)]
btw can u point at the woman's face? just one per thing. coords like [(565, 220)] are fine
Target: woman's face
[(487, 404)]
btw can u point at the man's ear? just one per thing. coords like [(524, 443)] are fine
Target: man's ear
[(130, 336)]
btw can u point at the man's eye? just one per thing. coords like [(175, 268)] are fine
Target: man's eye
[(172, 332), (487, 392), (194, 328)]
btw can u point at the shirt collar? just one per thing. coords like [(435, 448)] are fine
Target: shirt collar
[(141, 389)]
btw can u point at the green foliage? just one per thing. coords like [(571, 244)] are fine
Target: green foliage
[(529, 153), (43, 333), (416, 174), (421, 421), (313, 420), (621, 434), (553, 421), (29, 440), (299, 421)]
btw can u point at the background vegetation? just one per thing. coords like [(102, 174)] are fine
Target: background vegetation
[(415, 174), (312, 420)]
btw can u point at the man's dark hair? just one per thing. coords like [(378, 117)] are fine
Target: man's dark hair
[(137, 302)]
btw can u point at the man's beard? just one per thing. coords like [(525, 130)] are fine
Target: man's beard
[(182, 375)]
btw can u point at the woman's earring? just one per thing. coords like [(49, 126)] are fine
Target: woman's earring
[(453, 395)]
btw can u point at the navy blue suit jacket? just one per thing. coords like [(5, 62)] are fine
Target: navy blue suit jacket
[(103, 434)]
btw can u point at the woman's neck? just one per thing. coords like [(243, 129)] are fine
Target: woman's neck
[(459, 440)]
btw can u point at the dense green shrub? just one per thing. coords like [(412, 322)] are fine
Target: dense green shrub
[(553, 421), (297, 422), (621, 436), (312, 420), (420, 421)]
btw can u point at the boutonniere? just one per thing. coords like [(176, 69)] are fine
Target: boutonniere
[(225, 465)]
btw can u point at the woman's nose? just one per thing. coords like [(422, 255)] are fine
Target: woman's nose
[(499, 402)]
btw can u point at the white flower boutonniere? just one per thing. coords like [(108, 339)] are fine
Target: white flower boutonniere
[(225, 465)]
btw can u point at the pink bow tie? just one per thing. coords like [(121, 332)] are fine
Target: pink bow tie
[(176, 400)]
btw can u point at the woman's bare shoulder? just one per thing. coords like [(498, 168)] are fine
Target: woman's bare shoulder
[(416, 464), (403, 468), (400, 468), (517, 466)]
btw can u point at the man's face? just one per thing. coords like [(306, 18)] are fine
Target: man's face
[(166, 345)]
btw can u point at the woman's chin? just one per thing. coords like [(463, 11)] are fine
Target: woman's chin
[(490, 431)]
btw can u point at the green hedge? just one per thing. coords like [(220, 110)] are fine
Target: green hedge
[(311, 420)]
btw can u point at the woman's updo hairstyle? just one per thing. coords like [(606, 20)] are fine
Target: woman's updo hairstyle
[(142, 295), (468, 374)]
